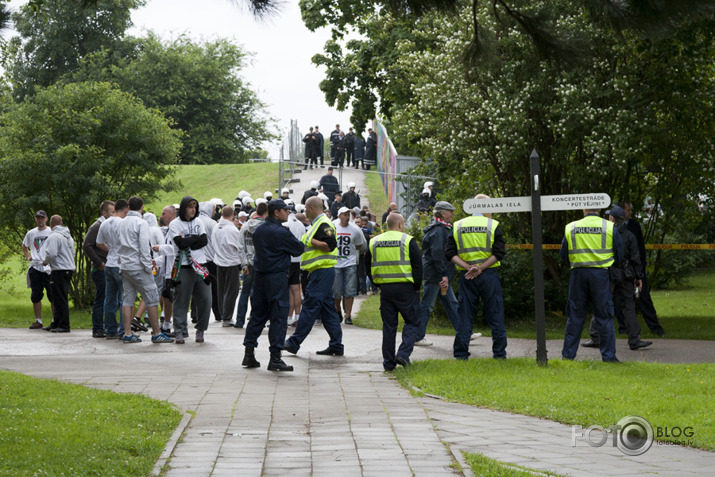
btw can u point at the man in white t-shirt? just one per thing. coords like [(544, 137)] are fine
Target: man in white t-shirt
[(38, 276), (350, 239)]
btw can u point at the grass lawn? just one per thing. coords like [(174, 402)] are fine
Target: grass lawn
[(224, 181), (578, 392), (54, 428), (376, 194), (685, 313), (484, 466)]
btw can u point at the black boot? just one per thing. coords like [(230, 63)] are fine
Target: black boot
[(277, 364), (249, 359)]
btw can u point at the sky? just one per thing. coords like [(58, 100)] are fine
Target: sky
[(281, 71)]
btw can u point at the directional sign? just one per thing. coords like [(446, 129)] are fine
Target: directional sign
[(548, 203), (506, 204), (575, 201)]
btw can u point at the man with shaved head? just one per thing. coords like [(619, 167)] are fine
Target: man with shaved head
[(59, 255), (394, 263), (228, 264), (319, 259)]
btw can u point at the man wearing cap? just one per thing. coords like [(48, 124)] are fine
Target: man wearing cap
[(336, 205), (477, 246), (350, 240), (394, 263), (330, 185), (319, 259), (438, 271), (37, 276), (274, 246), (58, 253), (624, 279), (320, 151), (590, 246), (645, 302)]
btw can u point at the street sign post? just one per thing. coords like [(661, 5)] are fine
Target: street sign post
[(536, 204)]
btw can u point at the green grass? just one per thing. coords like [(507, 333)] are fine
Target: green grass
[(485, 467), (54, 428), (224, 181), (685, 313), (578, 392), (376, 195)]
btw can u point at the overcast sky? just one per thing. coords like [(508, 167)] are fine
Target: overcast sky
[(281, 73)]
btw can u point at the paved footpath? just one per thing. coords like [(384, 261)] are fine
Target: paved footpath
[(333, 414)]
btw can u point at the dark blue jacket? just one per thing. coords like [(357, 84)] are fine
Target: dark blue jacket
[(274, 245), (434, 260)]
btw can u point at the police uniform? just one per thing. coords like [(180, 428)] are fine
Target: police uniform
[(394, 263), (590, 246), (318, 301), (274, 245), (475, 239)]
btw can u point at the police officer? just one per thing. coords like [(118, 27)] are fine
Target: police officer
[(394, 263), (624, 279), (319, 260), (274, 245), (589, 247), (477, 247)]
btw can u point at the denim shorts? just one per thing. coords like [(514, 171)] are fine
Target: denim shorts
[(139, 281), (345, 284)]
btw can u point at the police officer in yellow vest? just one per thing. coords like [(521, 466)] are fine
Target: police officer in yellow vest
[(394, 263), (319, 260), (477, 246), (590, 246)]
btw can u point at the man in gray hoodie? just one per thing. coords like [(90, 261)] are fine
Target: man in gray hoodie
[(59, 255), (246, 251)]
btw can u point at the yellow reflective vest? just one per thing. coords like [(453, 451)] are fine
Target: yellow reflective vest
[(474, 237), (312, 258), (590, 242), (390, 261)]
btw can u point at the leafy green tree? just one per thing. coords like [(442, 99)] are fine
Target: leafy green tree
[(195, 84), (56, 34), (70, 147)]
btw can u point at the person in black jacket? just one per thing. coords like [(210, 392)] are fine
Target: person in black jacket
[(645, 302), (370, 149), (334, 139), (359, 150), (351, 199), (426, 201), (336, 205), (624, 279), (330, 184), (438, 271), (313, 191), (311, 149), (349, 144), (320, 152)]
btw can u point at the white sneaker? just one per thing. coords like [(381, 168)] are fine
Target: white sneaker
[(423, 342), (475, 336)]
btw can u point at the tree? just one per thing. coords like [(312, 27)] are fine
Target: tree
[(56, 34), (70, 147), (196, 85)]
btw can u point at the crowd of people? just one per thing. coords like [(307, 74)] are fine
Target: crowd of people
[(346, 150), (302, 263)]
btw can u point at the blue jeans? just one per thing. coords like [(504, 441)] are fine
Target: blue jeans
[(486, 288), (98, 306), (246, 290), (112, 299), (319, 303), (589, 284), (449, 303)]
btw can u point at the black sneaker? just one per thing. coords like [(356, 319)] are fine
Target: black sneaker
[(137, 325), (348, 321), (99, 334)]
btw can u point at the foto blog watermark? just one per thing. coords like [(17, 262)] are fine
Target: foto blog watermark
[(633, 435)]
